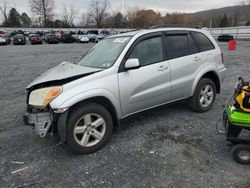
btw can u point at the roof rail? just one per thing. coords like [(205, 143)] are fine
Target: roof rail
[(174, 25)]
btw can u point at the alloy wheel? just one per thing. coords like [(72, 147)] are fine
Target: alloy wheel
[(89, 130), (206, 96)]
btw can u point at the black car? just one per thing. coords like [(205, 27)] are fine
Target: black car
[(19, 39), (14, 33), (225, 38), (67, 38), (51, 39)]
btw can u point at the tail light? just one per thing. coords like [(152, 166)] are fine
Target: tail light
[(222, 57)]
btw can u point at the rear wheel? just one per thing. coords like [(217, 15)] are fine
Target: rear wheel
[(241, 153), (204, 96), (89, 128)]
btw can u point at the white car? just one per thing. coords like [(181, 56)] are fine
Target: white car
[(5, 39), (2, 40), (83, 39)]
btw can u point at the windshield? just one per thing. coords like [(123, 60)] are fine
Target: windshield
[(104, 54)]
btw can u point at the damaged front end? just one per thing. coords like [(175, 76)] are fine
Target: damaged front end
[(45, 121), (44, 90), (39, 114), (40, 121)]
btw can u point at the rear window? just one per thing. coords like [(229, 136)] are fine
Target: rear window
[(203, 41), (177, 46)]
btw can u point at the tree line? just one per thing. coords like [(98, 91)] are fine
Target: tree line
[(101, 15)]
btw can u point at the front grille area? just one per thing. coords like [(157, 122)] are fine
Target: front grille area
[(35, 109)]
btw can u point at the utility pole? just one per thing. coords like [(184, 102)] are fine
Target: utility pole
[(211, 23)]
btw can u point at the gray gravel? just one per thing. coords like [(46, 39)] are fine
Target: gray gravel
[(168, 147)]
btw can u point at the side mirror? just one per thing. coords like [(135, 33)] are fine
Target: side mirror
[(132, 64)]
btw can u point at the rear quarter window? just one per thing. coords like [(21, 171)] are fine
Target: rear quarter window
[(203, 41)]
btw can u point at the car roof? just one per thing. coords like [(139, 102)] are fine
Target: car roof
[(148, 31), (18, 35)]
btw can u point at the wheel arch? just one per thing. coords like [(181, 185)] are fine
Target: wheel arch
[(213, 75), (103, 101)]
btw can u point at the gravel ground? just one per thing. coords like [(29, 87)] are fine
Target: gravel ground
[(168, 147)]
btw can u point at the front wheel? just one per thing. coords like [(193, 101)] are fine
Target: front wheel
[(89, 128), (204, 96)]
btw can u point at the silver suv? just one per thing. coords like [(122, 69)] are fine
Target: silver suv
[(121, 76)]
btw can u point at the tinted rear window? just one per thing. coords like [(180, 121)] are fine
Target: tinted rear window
[(193, 47), (177, 46), (203, 41)]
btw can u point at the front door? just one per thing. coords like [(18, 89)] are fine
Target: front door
[(149, 85)]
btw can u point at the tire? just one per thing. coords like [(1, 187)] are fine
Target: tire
[(241, 153), (195, 101), (83, 120)]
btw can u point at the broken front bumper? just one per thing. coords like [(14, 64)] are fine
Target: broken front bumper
[(41, 122)]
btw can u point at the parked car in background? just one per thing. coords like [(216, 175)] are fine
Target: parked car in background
[(26, 33), (36, 39), (2, 32), (51, 39), (19, 39), (75, 36), (5, 39), (121, 76), (15, 32), (31, 35), (225, 38), (82, 39), (105, 32), (58, 34), (92, 35), (99, 38), (67, 38)]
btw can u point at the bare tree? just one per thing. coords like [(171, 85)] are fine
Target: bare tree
[(98, 11), (129, 14), (69, 15), (4, 7), (43, 9)]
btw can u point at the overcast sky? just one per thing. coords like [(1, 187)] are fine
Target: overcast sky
[(162, 6)]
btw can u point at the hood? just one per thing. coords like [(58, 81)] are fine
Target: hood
[(62, 72)]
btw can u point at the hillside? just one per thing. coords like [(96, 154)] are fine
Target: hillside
[(243, 12)]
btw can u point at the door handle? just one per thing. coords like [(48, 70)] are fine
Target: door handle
[(197, 59), (162, 68)]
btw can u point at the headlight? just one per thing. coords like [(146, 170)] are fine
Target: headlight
[(42, 97)]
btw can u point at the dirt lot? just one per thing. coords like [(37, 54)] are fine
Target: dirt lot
[(168, 147)]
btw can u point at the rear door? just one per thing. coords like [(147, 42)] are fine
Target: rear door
[(206, 48), (184, 59)]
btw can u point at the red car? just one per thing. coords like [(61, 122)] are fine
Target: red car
[(36, 39)]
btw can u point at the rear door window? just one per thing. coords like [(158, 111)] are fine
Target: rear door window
[(203, 41), (177, 46), (193, 47)]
